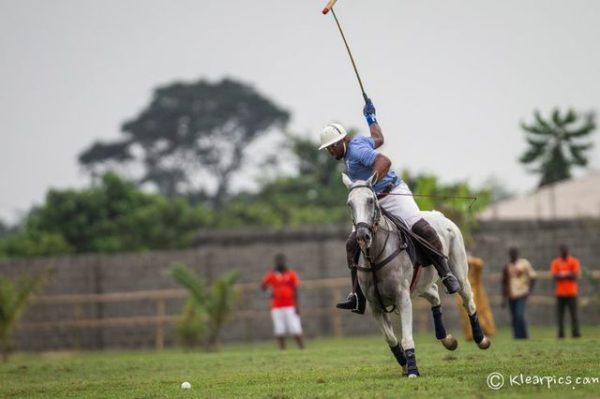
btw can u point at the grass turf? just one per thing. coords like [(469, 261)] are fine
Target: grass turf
[(361, 367)]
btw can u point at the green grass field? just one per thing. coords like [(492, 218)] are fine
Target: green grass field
[(329, 368)]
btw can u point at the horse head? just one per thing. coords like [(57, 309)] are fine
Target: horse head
[(364, 208)]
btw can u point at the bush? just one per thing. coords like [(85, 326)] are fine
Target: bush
[(14, 297), (207, 309)]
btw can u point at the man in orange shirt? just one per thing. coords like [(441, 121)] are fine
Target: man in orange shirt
[(566, 270), (284, 302)]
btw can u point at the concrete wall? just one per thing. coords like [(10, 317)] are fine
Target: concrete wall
[(538, 241), (315, 253)]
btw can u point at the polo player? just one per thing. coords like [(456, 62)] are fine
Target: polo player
[(362, 161)]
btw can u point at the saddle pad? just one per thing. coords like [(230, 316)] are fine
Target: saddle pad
[(417, 252)]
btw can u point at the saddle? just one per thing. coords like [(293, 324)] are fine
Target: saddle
[(419, 251)]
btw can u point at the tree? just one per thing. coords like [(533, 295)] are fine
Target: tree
[(14, 296), (26, 243), (313, 194), (4, 229), (110, 216), (207, 308), (191, 136), (458, 201), (555, 144)]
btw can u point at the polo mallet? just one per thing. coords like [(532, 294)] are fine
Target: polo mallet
[(329, 7)]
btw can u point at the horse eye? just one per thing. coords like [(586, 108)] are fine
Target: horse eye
[(370, 201)]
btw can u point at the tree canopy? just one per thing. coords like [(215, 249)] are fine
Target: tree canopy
[(556, 144), (191, 139), (313, 194), (110, 216), (458, 201)]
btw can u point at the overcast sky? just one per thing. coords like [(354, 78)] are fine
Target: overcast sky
[(451, 79)]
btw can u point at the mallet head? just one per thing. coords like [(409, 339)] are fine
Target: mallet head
[(328, 6)]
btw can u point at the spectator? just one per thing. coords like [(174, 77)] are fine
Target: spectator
[(518, 280), (285, 311), (566, 270)]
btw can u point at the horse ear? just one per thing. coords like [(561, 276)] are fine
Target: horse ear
[(346, 180), (372, 179)]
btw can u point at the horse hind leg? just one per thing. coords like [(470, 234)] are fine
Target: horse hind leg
[(466, 294), (446, 339), (460, 267)]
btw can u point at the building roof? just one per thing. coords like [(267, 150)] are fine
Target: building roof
[(570, 199)]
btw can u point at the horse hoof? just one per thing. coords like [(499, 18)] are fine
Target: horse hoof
[(485, 343), (450, 342), (413, 373)]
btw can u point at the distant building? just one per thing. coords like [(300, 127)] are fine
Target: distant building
[(570, 199)]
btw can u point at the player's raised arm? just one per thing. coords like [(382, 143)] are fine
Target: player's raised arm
[(375, 129)]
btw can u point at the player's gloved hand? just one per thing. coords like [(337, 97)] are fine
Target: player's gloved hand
[(369, 112), (369, 108)]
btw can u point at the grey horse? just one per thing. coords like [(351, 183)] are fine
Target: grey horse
[(390, 286)]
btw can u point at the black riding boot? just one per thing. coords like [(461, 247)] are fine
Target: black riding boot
[(356, 301), (423, 228)]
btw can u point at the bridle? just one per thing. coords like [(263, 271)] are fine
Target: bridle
[(375, 215)]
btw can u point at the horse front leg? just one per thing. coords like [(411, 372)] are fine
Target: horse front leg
[(467, 297), (405, 307), (384, 323)]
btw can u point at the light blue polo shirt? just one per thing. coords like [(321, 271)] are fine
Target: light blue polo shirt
[(359, 159)]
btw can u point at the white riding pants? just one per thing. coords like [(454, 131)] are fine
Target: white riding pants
[(403, 206)]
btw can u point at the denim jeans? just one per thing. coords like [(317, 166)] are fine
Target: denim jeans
[(517, 313)]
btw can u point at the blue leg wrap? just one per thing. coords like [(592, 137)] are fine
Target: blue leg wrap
[(440, 331), (411, 362), (399, 355), (476, 328)]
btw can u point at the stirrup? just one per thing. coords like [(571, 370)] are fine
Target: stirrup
[(351, 302)]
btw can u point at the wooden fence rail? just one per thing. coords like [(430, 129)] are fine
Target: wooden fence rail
[(161, 320)]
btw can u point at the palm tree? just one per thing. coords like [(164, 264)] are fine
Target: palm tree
[(207, 308), (555, 144), (14, 297)]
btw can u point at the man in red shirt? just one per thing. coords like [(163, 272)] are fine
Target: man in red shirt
[(566, 270), (284, 302)]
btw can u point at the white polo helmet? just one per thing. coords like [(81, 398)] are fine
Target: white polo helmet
[(331, 134)]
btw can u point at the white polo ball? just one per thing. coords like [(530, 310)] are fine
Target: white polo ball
[(186, 385)]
